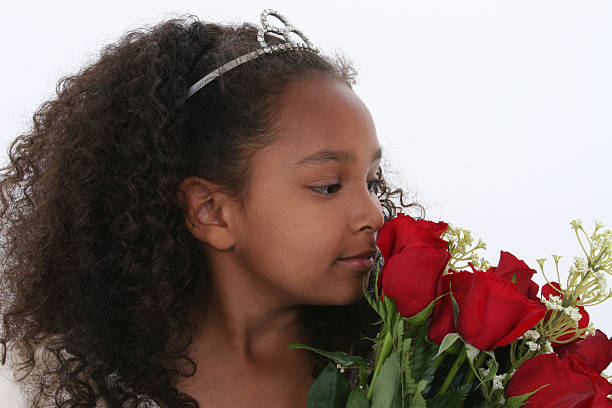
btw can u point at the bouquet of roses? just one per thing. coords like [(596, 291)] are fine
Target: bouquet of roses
[(457, 332)]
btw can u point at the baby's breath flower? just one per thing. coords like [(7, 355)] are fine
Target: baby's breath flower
[(553, 302), (547, 347), (462, 249), (502, 400), (533, 346), (576, 224), (541, 262), (497, 382), (602, 282), (590, 329), (573, 313), (596, 245), (581, 265), (483, 371), (531, 334)]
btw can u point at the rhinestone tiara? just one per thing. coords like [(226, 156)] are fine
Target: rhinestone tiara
[(266, 27)]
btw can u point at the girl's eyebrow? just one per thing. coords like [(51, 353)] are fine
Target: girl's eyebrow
[(325, 156)]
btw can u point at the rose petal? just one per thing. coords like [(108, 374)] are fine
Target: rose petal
[(492, 313), (594, 350), (411, 277)]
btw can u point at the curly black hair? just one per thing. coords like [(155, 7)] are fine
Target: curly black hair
[(98, 267)]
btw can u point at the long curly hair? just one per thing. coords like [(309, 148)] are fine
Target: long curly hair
[(98, 268)]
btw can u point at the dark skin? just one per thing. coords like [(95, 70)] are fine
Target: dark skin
[(272, 256)]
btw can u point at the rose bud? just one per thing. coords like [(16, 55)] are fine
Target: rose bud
[(415, 258), (492, 312)]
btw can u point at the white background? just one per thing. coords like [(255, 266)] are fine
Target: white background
[(497, 115)]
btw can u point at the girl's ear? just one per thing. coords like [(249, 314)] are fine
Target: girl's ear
[(207, 212)]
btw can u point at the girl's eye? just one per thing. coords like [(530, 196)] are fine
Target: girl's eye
[(328, 189), (373, 186)]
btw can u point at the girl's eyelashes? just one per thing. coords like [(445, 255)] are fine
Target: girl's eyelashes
[(329, 189)]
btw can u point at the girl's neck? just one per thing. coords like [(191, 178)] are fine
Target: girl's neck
[(249, 336), (242, 358), (244, 317)]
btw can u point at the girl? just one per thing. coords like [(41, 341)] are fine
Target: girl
[(163, 243)]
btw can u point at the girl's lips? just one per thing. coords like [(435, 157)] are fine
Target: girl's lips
[(359, 263)]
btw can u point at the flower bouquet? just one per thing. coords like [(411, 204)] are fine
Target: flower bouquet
[(457, 332)]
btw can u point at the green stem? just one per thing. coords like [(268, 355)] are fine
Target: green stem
[(580, 242), (470, 375), (453, 371), (438, 361), (382, 356), (362, 375)]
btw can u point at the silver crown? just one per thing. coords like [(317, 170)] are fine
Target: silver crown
[(266, 27)]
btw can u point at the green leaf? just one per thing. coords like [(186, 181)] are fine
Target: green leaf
[(448, 341), (339, 357), (389, 309), (329, 390), (471, 352), (410, 383), (423, 357), (398, 330), (379, 261), (455, 307), (406, 353), (418, 401), (492, 372), (375, 303), (357, 399), (385, 388), (452, 398), (406, 346), (423, 315), (520, 400)]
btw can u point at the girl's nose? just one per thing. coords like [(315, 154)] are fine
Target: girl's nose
[(368, 214)]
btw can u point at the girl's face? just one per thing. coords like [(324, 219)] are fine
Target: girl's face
[(312, 199)]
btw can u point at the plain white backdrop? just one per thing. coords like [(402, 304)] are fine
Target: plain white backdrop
[(496, 116)]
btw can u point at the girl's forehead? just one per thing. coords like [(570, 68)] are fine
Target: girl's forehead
[(320, 98), (323, 114)]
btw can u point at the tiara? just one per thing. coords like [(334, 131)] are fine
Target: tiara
[(266, 27)]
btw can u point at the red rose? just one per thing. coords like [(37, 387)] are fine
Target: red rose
[(492, 312), (404, 230), (513, 269), (595, 351), (570, 383), (553, 289), (415, 258)]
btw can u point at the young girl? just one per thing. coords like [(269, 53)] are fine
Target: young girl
[(164, 242)]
